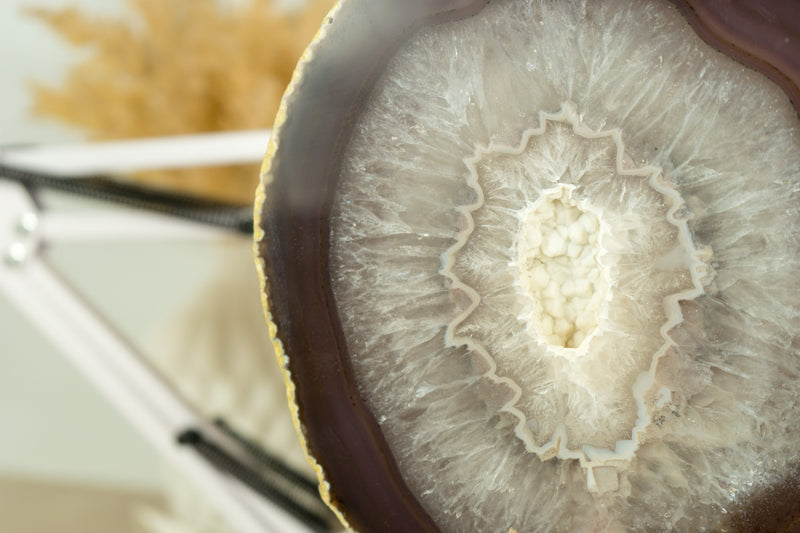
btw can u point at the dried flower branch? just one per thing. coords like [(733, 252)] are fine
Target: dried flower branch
[(175, 67)]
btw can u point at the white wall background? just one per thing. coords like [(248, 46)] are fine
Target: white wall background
[(53, 424)]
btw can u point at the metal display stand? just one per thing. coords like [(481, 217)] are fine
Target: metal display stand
[(89, 342)]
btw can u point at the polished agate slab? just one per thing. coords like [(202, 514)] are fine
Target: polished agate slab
[(531, 265), (531, 373)]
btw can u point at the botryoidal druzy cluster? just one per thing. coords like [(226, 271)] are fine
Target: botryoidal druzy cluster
[(565, 247)]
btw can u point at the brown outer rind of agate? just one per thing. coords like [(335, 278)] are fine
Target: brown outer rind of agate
[(762, 34), (340, 431), (775, 509)]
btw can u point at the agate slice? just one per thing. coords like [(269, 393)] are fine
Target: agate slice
[(532, 265)]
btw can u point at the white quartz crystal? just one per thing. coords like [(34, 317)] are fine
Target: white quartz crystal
[(565, 250), (569, 322), (559, 268)]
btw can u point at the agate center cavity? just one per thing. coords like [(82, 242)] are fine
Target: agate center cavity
[(558, 251)]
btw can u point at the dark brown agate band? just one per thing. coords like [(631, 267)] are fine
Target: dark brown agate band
[(762, 34), (341, 432)]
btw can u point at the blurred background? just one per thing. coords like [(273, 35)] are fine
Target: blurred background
[(79, 70)]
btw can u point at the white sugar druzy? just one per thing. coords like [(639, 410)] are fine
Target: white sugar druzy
[(584, 401), (558, 263), (667, 394)]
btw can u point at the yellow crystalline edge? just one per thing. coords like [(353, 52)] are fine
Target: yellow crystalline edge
[(258, 236)]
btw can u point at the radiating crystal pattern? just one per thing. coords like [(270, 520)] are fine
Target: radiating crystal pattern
[(586, 227), (638, 371)]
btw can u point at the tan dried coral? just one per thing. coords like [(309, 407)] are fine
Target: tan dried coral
[(178, 67)]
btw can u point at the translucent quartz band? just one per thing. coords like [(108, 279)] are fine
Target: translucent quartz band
[(679, 404), (626, 240)]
